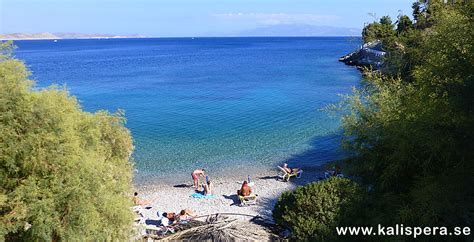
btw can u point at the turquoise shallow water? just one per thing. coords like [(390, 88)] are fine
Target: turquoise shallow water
[(219, 103)]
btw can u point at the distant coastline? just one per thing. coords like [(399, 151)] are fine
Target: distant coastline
[(249, 34), (52, 36)]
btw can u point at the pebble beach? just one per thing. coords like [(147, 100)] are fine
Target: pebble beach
[(168, 197)]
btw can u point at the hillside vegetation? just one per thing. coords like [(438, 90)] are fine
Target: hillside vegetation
[(411, 125), (412, 128)]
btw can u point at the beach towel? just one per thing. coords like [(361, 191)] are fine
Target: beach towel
[(200, 195)]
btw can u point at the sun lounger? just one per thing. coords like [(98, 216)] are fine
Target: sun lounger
[(286, 175), (159, 230), (139, 220), (248, 200)]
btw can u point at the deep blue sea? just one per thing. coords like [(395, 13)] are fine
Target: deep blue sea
[(218, 103)]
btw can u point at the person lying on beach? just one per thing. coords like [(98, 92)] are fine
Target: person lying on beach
[(168, 219), (245, 190), (186, 215), (195, 175), (290, 170), (139, 202)]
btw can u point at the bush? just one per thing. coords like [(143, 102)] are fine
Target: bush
[(312, 212), (64, 173)]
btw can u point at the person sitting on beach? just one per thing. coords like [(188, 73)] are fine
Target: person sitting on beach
[(168, 219), (289, 170), (245, 190), (139, 202), (207, 187), (186, 215), (196, 174)]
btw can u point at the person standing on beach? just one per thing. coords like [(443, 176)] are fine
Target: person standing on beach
[(196, 174)]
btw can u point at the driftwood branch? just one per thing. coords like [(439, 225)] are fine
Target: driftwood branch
[(222, 228)]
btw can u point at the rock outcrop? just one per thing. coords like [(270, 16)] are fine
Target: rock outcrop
[(369, 55)]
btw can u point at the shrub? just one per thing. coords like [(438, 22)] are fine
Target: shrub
[(312, 212)]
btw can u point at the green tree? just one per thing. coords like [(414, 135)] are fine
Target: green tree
[(312, 212), (404, 24), (64, 173), (382, 30), (370, 32), (386, 20), (417, 10)]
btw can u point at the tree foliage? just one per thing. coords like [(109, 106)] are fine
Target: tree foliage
[(381, 30), (312, 212), (64, 173), (404, 24), (412, 130)]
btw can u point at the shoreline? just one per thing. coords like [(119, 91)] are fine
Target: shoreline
[(235, 171), (239, 172)]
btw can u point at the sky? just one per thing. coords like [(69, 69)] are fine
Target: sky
[(168, 18)]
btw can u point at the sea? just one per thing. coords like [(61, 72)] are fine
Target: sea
[(230, 105)]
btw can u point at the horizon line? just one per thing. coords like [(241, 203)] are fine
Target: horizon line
[(189, 37)]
